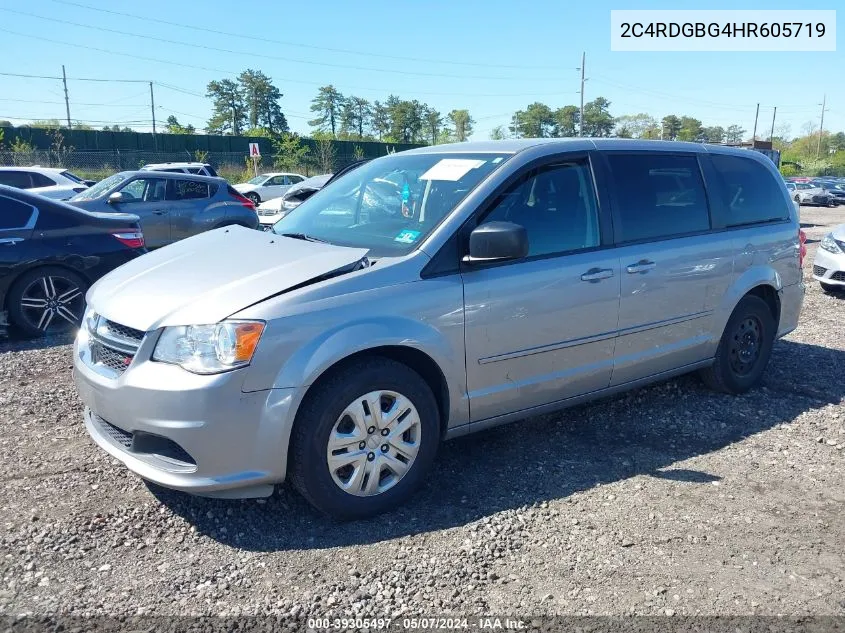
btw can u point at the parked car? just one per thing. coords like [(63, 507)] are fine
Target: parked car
[(504, 280), (829, 264), (835, 189), (51, 182), (808, 193), (268, 186), (274, 210), (171, 206), (199, 169), (50, 253)]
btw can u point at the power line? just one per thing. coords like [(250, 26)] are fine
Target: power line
[(76, 103), (273, 57), (253, 39), (128, 81)]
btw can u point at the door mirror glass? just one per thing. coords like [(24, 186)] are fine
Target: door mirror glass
[(116, 198), (497, 241)]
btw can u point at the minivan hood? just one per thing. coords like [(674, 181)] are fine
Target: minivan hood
[(208, 277)]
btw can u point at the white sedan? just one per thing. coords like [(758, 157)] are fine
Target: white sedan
[(268, 186), (51, 182), (829, 265)]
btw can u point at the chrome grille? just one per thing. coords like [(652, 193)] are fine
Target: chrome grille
[(122, 331), (112, 346), (819, 270), (124, 438), (106, 356)]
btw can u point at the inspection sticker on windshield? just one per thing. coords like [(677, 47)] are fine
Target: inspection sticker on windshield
[(451, 169), (407, 236)]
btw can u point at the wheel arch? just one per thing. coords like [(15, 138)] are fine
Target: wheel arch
[(10, 282)]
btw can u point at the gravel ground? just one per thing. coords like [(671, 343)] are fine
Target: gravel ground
[(668, 500)]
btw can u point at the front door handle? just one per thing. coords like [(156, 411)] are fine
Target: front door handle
[(159, 212), (597, 274), (641, 266)]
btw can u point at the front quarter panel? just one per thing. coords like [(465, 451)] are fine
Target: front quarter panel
[(310, 337)]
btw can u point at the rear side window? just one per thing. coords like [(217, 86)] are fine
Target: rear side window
[(294, 179), (189, 190), (751, 195), (17, 179), (210, 171), (658, 196), (40, 180), (14, 214)]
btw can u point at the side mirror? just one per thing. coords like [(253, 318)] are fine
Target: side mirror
[(497, 241), (115, 198)]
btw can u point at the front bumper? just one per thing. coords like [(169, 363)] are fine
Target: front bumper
[(829, 268), (197, 434)]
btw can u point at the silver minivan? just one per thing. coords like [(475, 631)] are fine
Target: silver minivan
[(433, 293)]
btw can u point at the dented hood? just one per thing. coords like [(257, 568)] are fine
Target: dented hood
[(209, 277)]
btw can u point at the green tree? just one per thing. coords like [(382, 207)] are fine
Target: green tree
[(536, 121), (380, 120), (262, 101), (498, 133), (229, 109), (328, 107), (691, 129), (174, 127), (652, 132), (6, 123), (566, 121), (670, 127), (356, 116), (462, 124), (635, 125), (45, 124), (836, 141), (290, 153), (433, 124), (407, 121), (713, 134), (597, 118), (734, 134)]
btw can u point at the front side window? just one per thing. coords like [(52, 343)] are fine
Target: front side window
[(391, 204), (658, 196), (17, 179), (14, 214), (275, 180), (750, 193), (557, 207), (144, 190), (188, 190), (101, 188)]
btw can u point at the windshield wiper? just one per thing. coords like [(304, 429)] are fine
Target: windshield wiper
[(303, 236)]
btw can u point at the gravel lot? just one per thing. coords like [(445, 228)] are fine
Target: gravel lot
[(668, 500)]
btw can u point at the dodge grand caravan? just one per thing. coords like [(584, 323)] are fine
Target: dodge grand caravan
[(434, 293)]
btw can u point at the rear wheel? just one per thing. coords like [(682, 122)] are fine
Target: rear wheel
[(364, 439), (256, 199), (744, 349), (46, 300)]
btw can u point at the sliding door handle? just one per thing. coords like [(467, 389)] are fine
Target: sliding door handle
[(597, 274), (641, 266)]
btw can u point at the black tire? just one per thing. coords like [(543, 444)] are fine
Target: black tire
[(308, 469), (751, 319), (830, 288), (29, 288), (256, 199), (797, 198)]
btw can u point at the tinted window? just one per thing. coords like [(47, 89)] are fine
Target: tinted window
[(210, 171), (275, 180), (557, 207), (18, 179), (14, 214), (40, 180), (657, 196), (194, 170), (294, 179), (144, 190), (750, 193), (188, 190)]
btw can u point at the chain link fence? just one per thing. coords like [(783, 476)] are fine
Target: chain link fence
[(233, 166)]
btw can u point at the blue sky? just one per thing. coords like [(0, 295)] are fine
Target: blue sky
[(491, 57)]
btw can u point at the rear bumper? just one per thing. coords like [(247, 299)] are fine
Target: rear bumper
[(791, 301)]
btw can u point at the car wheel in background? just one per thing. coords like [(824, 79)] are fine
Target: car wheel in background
[(744, 349), (46, 300), (364, 438), (797, 198), (256, 199)]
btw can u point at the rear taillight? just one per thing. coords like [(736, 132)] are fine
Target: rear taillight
[(134, 239), (242, 200), (802, 241)]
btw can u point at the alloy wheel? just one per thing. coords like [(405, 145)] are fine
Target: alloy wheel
[(52, 301), (374, 443)]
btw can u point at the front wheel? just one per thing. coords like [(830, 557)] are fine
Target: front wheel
[(797, 198), (254, 197), (364, 439), (46, 300), (744, 349)]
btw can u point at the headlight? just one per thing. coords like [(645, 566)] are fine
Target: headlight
[(829, 244), (289, 204), (209, 349)]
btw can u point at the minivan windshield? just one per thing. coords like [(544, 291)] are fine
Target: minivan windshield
[(390, 204), (98, 190)]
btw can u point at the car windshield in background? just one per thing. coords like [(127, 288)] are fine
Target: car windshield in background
[(257, 180), (391, 204), (96, 191), (72, 177)]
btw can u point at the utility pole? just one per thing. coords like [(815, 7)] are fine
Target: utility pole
[(67, 102), (153, 110), (772, 135), (821, 128), (754, 135), (581, 116)]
